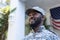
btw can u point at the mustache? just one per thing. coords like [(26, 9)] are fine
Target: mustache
[(32, 18)]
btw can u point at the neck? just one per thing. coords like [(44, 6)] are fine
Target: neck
[(37, 28)]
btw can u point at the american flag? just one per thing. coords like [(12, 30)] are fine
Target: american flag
[(55, 17)]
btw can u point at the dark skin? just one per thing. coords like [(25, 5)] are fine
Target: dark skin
[(35, 15)]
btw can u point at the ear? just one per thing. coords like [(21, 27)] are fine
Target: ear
[(43, 18)]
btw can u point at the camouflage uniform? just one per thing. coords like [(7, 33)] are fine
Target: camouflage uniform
[(41, 34)]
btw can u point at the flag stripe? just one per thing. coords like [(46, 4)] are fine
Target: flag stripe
[(56, 25), (56, 21)]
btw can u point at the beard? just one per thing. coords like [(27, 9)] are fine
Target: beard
[(36, 23)]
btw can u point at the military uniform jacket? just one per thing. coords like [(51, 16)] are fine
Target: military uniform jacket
[(41, 34)]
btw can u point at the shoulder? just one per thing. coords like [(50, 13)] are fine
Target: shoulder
[(48, 33), (51, 35), (28, 36)]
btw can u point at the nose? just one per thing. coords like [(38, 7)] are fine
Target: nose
[(31, 17)]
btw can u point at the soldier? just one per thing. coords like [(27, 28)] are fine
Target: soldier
[(36, 19)]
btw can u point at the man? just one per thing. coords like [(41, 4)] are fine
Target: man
[(36, 18)]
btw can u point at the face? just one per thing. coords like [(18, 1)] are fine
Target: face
[(35, 19)]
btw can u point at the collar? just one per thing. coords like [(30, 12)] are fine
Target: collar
[(41, 28)]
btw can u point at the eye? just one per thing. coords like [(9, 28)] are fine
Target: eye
[(29, 15), (35, 14)]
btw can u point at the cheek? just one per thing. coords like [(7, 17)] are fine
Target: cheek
[(36, 16)]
